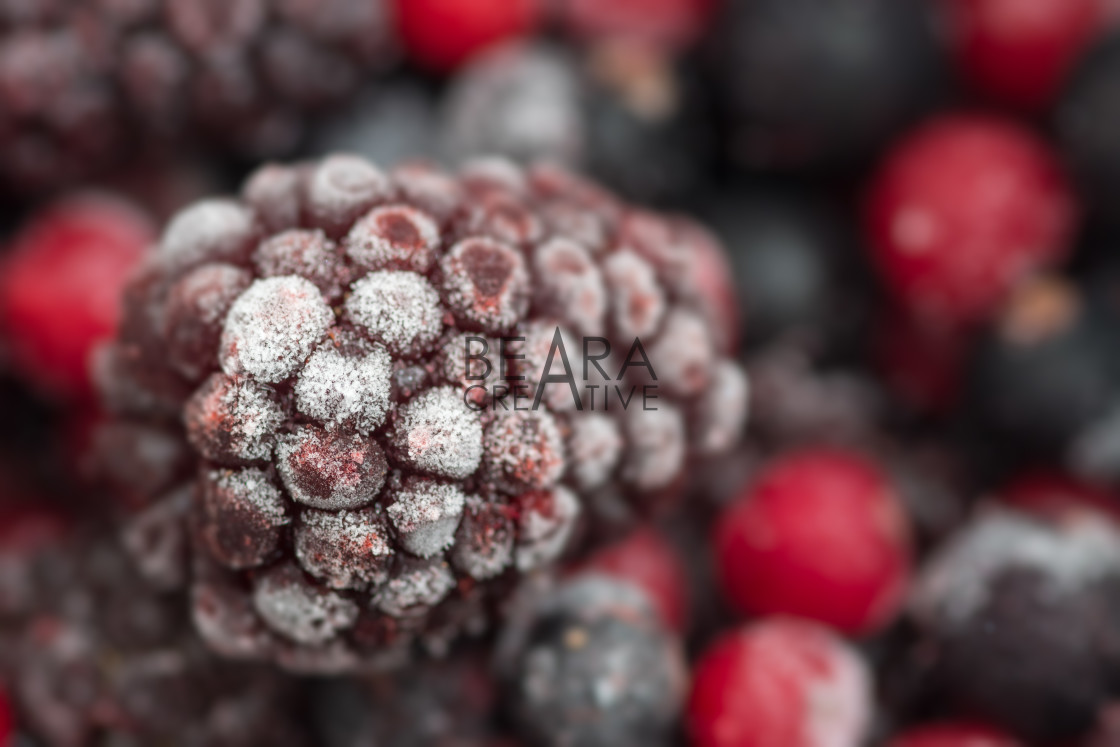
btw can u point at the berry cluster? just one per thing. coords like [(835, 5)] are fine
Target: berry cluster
[(360, 478)]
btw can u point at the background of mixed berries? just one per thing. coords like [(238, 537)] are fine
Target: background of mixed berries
[(914, 545)]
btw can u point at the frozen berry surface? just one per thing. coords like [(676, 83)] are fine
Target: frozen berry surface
[(368, 484)]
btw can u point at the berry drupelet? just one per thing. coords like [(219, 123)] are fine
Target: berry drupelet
[(81, 86), (593, 665), (1021, 615), (361, 483), (93, 655), (818, 84)]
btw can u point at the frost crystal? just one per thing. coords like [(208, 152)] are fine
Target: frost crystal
[(395, 237), (208, 231), (399, 309), (571, 286), (272, 328), (337, 389), (232, 418), (594, 446), (545, 523), (637, 301), (437, 433), (425, 514), (656, 446), (348, 549), (330, 470), (300, 611), (416, 586)]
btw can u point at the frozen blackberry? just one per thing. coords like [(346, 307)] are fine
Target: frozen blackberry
[(1022, 617), (81, 88), (630, 115), (94, 656), (594, 666), (358, 363), (818, 84)]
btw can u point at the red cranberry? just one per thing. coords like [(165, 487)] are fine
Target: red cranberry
[(779, 682), (819, 535), (953, 735), (61, 286), (666, 24), (961, 210), (648, 560), (442, 34), (1020, 52)]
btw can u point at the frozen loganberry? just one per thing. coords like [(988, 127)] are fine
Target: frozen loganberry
[(779, 682), (821, 535), (241, 514), (442, 35), (1021, 613), (330, 470), (1021, 53), (963, 209), (347, 549), (953, 735), (325, 364), (60, 287), (671, 24), (647, 559), (594, 667)]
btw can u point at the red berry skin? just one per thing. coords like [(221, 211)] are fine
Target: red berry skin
[(1054, 496), (648, 560), (61, 285), (953, 735), (671, 25), (441, 35), (820, 535), (961, 210), (778, 683), (1019, 53), (921, 364)]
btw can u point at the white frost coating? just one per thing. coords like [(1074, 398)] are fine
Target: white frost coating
[(838, 703), (1068, 556), (723, 409), (542, 538), (495, 171), (309, 459), (248, 410), (337, 389), (298, 610), (401, 309), (343, 186), (637, 301), (347, 549), (272, 327), (437, 433), (470, 270), (571, 285), (206, 231), (426, 514), (373, 245), (422, 585), (594, 447), (655, 446), (484, 547), (252, 488), (683, 353), (524, 450)]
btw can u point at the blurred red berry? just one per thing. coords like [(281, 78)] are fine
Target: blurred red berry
[(1054, 495), (648, 560), (61, 284), (920, 363), (779, 683), (442, 34), (961, 210), (1019, 52), (820, 535), (666, 24), (953, 735)]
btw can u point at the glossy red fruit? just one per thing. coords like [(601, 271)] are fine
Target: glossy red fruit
[(61, 284), (779, 683), (1054, 495), (442, 34), (1018, 52), (666, 24), (953, 735), (961, 210), (648, 560), (819, 535)]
